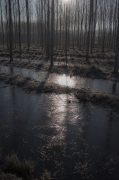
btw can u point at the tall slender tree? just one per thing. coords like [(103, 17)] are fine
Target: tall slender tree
[(2, 23), (19, 27), (48, 30), (52, 33), (89, 31), (10, 31), (116, 64), (28, 24)]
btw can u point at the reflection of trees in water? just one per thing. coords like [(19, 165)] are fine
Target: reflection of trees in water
[(114, 86), (19, 124), (11, 70), (109, 126)]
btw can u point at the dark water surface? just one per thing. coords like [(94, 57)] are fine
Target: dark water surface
[(96, 85), (73, 140)]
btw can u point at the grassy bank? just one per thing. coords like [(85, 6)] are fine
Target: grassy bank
[(87, 71), (11, 168), (100, 65), (102, 99), (15, 169)]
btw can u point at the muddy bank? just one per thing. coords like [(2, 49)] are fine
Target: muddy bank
[(103, 99), (84, 95), (96, 85), (31, 85)]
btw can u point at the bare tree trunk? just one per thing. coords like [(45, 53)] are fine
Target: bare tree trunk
[(60, 36), (68, 28), (28, 27), (7, 26), (45, 19), (38, 24), (48, 30), (78, 41), (94, 27), (89, 31), (42, 33), (19, 28), (103, 28), (115, 23), (2, 25), (116, 64), (14, 26), (52, 33), (10, 31), (66, 35)]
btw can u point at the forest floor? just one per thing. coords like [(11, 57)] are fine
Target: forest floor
[(100, 65)]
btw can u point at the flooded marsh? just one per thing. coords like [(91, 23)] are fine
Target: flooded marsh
[(59, 134)]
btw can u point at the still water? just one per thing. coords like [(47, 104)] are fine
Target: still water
[(72, 140), (96, 85)]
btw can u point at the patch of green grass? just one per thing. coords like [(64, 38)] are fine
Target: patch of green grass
[(22, 168)]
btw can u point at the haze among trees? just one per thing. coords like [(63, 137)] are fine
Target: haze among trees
[(60, 25)]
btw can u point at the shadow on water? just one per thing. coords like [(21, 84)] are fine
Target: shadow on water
[(114, 87), (42, 84), (73, 140)]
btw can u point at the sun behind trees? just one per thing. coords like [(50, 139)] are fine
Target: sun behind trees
[(60, 24)]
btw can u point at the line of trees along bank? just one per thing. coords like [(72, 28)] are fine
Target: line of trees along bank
[(57, 24)]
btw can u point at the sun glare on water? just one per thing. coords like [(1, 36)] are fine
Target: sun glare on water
[(65, 81)]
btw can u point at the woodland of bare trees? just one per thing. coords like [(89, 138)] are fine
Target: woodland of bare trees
[(60, 24)]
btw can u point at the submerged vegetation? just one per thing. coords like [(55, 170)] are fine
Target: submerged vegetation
[(12, 168), (4, 176), (102, 99), (46, 175), (22, 168)]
